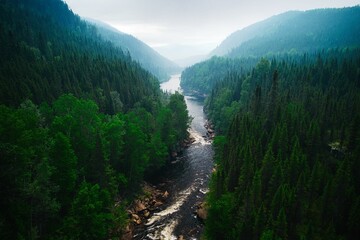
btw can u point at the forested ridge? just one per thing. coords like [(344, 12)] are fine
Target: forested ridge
[(287, 164), (284, 36), (295, 32), (48, 51), (139, 51), (203, 76), (81, 126)]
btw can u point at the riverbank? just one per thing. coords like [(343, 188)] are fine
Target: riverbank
[(153, 199), (185, 179)]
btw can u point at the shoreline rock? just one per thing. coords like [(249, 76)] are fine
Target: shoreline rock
[(210, 129), (143, 207), (201, 211)]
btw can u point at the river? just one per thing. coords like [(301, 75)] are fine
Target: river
[(186, 180)]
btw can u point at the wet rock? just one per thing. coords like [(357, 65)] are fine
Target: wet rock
[(127, 235), (139, 206), (201, 211), (136, 219), (181, 237), (158, 204), (165, 195), (146, 214)]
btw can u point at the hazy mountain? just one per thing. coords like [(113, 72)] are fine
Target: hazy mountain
[(186, 62), (149, 59), (295, 32)]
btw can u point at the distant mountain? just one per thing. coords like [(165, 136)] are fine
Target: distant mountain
[(186, 62), (295, 32), (148, 58)]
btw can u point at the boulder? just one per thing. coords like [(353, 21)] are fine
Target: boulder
[(158, 204), (139, 206), (136, 219), (146, 214), (201, 212), (135, 216), (165, 195)]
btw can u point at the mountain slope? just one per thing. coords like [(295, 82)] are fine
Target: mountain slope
[(81, 126), (295, 31), (50, 51), (149, 59)]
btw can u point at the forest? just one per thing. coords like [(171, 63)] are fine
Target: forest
[(287, 149), (149, 59), (81, 126), (294, 32), (286, 116)]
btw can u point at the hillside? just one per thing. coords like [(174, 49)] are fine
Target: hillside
[(148, 58), (295, 32), (50, 51), (287, 166), (288, 35), (81, 126)]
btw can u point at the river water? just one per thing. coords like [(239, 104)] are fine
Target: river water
[(186, 180)]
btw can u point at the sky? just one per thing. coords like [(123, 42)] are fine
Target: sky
[(179, 29)]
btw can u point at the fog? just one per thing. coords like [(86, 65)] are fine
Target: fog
[(182, 28)]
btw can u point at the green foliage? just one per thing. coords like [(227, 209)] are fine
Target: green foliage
[(201, 77), (101, 128), (294, 32), (285, 159), (50, 51), (180, 116), (221, 209), (65, 164), (29, 199), (149, 59), (89, 217)]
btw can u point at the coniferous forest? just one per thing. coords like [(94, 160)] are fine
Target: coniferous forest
[(287, 166), (81, 125), (288, 146)]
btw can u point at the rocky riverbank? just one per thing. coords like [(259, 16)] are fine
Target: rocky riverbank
[(182, 145), (210, 130), (150, 202)]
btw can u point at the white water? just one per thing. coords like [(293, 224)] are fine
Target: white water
[(172, 208), (188, 180)]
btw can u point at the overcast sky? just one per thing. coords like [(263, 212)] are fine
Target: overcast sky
[(182, 28)]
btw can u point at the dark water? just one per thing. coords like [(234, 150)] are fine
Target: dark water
[(186, 181)]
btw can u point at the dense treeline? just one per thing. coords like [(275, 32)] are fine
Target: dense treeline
[(202, 77), (149, 59), (296, 32), (81, 126), (62, 166), (288, 166), (48, 51)]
